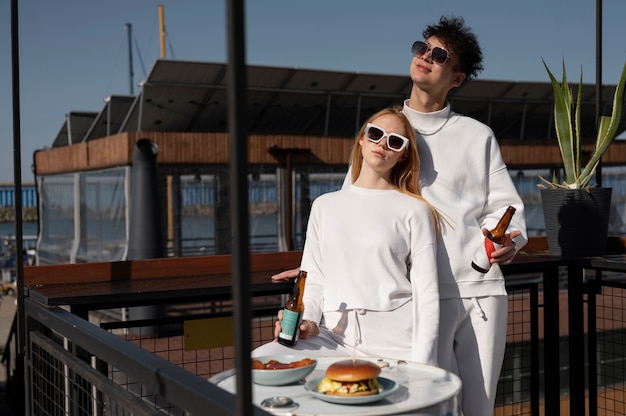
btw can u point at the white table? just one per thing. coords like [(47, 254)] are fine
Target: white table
[(423, 390)]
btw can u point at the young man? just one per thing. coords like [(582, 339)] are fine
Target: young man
[(463, 175)]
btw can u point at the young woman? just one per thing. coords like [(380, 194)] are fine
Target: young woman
[(370, 255)]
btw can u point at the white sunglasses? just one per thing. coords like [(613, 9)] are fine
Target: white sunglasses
[(395, 142)]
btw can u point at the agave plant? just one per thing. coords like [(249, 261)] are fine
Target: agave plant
[(567, 124)]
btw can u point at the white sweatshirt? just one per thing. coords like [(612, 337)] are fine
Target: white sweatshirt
[(374, 250), (463, 175)]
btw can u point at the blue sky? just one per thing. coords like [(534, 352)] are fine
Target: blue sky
[(74, 53)]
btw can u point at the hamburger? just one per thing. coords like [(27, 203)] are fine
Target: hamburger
[(350, 378)]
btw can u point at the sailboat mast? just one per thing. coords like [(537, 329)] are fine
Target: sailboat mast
[(129, 29), (162, 30)]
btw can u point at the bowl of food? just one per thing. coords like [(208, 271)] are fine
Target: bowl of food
[(280, 370)]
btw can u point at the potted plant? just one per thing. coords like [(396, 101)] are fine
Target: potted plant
[(577, 215)]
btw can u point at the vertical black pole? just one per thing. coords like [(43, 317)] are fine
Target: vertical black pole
[(576, 363), (289, 202), (238, 159), (552, 355), (599, 79), (594, 288), (591, 353), (18, 396)]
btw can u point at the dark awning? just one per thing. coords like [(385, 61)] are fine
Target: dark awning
[(183, 96)]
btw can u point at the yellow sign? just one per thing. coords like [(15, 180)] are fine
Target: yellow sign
[(208, 333)]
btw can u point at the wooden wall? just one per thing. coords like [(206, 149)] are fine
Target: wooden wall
[(212, 148)]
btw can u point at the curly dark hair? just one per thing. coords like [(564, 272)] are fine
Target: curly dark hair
[(462, 43)]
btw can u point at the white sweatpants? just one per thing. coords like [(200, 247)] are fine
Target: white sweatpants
[(363, 334), (472, 341)]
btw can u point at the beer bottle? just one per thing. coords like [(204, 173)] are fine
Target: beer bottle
[(493, 241), (292, 313)]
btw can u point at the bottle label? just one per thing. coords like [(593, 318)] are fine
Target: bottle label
[(290, 325), (481, 262)]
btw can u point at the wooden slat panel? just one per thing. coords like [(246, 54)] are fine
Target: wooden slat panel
[(190, 148), (616, 153), (540, 243), (535, 244), (313, 150), (61, 159), (153, 268), (110, 151), (515, 155), (212, 148)]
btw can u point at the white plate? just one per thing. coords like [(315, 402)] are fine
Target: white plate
[(281, 377), (388, 387), (420, 386)]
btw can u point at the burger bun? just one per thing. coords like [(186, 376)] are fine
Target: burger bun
[(352, 370)]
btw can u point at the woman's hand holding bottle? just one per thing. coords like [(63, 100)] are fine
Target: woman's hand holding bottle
[(307, 328)]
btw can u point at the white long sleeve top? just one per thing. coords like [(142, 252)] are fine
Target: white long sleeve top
[(463, 175), (374, 250)]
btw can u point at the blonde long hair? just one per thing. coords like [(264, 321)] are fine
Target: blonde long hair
[(405, 174)]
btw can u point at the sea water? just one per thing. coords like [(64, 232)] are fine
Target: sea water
[(8, 228)]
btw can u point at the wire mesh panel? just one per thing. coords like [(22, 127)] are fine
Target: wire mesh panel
[(166, 338), (62, 384), (518, 385), (165, 335), (76, 368), (610, 351)]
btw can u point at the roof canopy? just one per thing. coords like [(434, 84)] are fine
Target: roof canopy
[(183, 96)]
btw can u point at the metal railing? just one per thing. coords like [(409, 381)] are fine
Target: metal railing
[(70, 368), (104, 363), (111, 367), (606, 357)]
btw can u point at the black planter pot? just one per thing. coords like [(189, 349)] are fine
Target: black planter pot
[(577, 221)]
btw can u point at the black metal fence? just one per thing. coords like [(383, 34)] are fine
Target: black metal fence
[(519, 385), (112, 366), (76, 368), (79, 367), (606, 345)]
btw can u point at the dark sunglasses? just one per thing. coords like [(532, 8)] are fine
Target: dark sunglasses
[(438, 55), (395, 142)]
